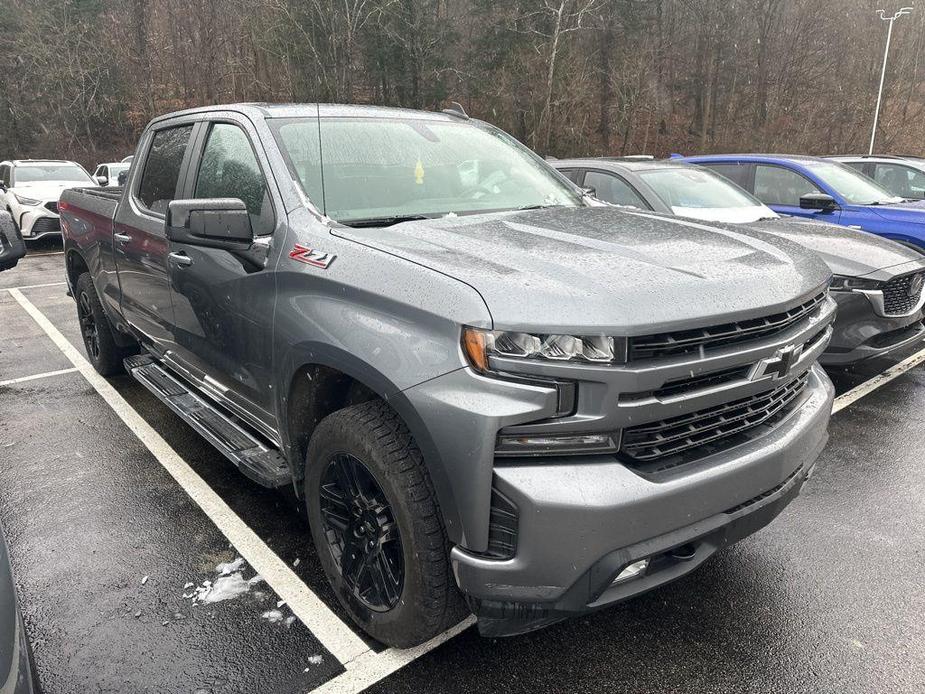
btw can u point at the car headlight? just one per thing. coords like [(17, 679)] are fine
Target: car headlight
[(479, 345), (23, 200), (840, 283)]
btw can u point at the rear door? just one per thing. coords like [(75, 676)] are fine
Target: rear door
[(139, 238), (223, 301)]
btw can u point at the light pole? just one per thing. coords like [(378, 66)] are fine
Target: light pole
[(889, 34)]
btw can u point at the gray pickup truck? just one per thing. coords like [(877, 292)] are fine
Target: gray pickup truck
[(491, 392)]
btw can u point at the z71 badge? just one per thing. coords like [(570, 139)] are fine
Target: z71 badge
[(312, 256)]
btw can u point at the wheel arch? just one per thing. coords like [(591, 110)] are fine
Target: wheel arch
[(323, 379)]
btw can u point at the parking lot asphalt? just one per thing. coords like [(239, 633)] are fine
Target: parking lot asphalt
[(109, 551)]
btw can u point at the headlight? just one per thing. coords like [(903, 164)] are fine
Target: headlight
[(23, 200), (841, 283), (479, 345)]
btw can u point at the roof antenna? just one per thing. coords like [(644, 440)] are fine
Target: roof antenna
[(457, 110)]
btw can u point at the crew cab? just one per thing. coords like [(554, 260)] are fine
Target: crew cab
[(29, 192), (492, 392), (877, 282), (824, 190)]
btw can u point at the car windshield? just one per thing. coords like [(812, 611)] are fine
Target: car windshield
[(116, 169), (38, 173), (382, 170), (854, 187), (692, 192)]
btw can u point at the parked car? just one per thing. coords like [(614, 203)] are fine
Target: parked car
[(29, 191), (902, 176), (128, 159), (12, 247), (17, 672), (877, 282), (822, 189), (108, 174), (481, 383)]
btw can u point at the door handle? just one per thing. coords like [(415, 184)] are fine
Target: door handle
[(122, 238), (180, 259)]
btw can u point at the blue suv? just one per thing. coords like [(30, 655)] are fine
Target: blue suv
[(825, 190)]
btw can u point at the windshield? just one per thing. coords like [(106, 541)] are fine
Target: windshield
[(34, 173), (852, 186), (116, 169), (705, 195), (377, 169)]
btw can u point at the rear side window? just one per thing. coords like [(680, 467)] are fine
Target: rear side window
[(775, 185), (571, 174), (737, 173), (162, 168), (229, 169), (613, 189)]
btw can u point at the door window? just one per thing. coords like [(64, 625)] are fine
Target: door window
[(574, 175), (775, 185), (901, 180), (5, 174), (229, 169), (737, 173), (162, 168), (613, 189)]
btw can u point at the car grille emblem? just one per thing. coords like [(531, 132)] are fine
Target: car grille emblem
[(779, 366)]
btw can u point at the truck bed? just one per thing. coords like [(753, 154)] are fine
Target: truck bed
[(94, 205)]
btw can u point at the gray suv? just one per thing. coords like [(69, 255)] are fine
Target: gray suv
[(489, 390)]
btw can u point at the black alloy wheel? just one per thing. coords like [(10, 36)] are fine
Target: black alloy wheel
[(361, 532), (88, 326)]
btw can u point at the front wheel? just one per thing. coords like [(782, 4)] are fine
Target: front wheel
[(102, 350), (377, 527)]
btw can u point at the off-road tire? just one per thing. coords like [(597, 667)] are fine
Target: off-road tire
[(429, 602), (107, 356)]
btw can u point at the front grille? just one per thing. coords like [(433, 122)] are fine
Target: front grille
[(45, 225), (704, 339), (900, 295), (678, 439), (52, 206)]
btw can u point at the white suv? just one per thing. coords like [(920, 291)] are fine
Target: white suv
[(29, 191)]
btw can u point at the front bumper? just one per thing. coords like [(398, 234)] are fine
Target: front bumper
[(38, 222), (583, 520), (861, 332)]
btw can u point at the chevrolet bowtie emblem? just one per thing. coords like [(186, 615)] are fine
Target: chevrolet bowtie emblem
[(778, 366)]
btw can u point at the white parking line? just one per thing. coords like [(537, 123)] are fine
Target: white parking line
[(37, 286), (23, 379), (858, 392), (338, 638)]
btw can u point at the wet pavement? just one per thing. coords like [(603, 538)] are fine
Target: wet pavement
[(104, 543)]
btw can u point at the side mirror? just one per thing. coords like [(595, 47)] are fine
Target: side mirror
[(102, 180), (212, 222), (818, 201)]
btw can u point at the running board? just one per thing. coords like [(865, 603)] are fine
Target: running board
[(257, 461)]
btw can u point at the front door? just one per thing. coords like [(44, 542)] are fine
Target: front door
[(781, 189), (139, 238), (223, 301)]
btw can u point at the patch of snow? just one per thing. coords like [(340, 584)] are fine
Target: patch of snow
[(296, 562), (224, 588), (144, 580), (273, 616), (230, 567), (281, 603), (314, 660), (256, 579), (290, 620)]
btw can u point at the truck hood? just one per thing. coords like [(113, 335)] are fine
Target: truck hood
[(848, 252), (604, 269), (47, 191)]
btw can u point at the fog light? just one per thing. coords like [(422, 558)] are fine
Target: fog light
[(538, 444), (634, 570)]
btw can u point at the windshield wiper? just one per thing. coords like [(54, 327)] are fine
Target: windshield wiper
[(539, 207), (384, 221)]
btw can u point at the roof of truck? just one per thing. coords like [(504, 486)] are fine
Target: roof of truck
[(266, 110)]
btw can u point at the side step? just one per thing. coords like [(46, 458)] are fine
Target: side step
[(259, 462)]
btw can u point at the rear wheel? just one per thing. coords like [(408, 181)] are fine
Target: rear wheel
[(377, 527), (102, 350)]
